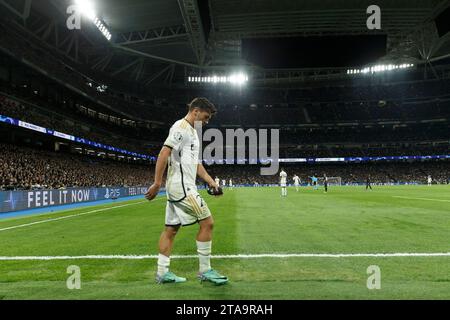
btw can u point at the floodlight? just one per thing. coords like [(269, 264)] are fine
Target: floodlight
[(86, 8)]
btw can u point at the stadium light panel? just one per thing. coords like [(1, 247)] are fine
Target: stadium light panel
[(238, 79), (234, 79), (87, 9), (380, 68)]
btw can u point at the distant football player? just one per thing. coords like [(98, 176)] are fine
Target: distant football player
[(296, 182), (185, 206), (230, 184), (217, 180), (283, 182), (368, 183), (325, 182), (314, 182), (429, 180), (224, 183)]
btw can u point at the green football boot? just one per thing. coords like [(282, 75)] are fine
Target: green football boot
[(213, 276), (169, 277)]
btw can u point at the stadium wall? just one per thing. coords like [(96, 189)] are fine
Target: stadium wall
[(11, 201)]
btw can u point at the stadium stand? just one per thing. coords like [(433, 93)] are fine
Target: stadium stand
[(30, 168), (365, 118)]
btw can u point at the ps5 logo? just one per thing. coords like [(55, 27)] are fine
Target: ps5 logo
[(112, 193)]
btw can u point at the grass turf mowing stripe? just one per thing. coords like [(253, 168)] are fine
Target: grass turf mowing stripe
[(233, 256), (71, 216), (425, 199)]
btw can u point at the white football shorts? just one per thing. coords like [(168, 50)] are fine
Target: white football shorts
[(190, 210)]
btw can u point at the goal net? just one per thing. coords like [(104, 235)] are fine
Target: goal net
[(332, 181)]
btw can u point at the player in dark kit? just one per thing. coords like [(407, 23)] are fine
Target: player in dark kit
[(325, 182), (368, 184)]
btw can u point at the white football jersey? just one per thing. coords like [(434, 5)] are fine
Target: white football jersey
[(283, 177), (217, 180), (183, 161), (296, 180)]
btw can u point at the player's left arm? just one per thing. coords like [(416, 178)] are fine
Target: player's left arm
[(203, 174)]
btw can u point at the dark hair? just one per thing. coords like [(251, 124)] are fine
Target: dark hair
[(203, 104)]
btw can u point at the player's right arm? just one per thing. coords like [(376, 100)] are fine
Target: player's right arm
[(173, 141), (161, 165)]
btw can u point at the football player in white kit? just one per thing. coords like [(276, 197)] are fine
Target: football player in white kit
[(224, 183), (296, 182), (185, 206), (283, 182), (217, 180), (230, 184), (429, 180)]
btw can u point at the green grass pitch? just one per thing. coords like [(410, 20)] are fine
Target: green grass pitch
[(350, 220)]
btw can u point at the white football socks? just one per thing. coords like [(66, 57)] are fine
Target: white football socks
[(204, 255), (163, 264)]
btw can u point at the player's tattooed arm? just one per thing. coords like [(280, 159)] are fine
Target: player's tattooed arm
[(161, 165)]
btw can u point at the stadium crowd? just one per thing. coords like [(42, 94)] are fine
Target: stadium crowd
[(296, 142), (29, 168), (380, 150), (350, 173)]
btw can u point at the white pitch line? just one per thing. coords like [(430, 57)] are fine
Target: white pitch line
[(232, 256), (72, 216), (426, 199)]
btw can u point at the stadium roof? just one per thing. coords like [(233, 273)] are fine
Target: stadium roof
[(161, 41)]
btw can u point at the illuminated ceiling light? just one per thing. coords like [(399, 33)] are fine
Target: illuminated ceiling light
[(238, 78), (234, 79), (86, 8), (380, 68)]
